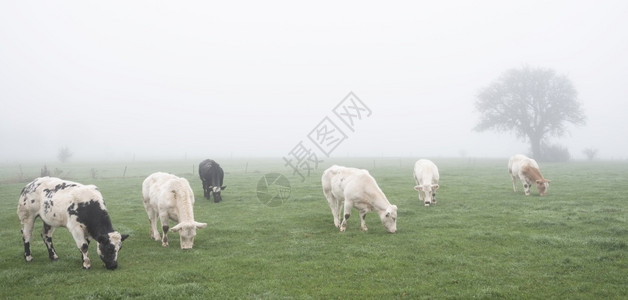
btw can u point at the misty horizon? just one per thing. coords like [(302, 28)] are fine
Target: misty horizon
[(145, 80)]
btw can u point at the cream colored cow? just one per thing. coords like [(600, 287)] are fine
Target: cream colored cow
[(170, 198), (426, 178), (356, 188), (527, 171)]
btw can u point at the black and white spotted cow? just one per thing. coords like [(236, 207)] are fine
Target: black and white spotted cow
[(79, 208), (212, 176)]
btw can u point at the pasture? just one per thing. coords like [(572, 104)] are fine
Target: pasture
[(480, 241)]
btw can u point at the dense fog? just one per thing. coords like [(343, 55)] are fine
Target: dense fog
[(121, 80)]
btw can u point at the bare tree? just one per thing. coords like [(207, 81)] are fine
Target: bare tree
[(44, 171), (64, 154), (590, 153), (532, 103)]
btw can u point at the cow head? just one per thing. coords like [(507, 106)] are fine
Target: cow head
[(187, 232), (108, 247), (430, 192), (542, 185), (389, 218), (216, 192)]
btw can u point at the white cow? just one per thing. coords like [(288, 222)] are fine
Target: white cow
[(426, 178), (79, 208), (170, 197), (356, 188), (527, 170)]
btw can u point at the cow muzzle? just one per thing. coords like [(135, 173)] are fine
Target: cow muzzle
[(111, 266)]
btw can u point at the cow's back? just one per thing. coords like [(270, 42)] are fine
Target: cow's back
[(166, 192), (426, 172), (361, 185), (177, 189), (350, 182), (517, 163), (153, 185), (207, 166), (53, 198)]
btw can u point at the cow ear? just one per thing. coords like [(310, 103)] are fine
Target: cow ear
[(418, 188), (176, 227), (200, 225), (435, 186), (124, 237), (223, 187)]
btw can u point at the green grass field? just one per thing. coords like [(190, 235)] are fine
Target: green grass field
[(480, 241)]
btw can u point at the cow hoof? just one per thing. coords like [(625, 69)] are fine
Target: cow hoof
[(342, 229), (28, 258), (164, 244), (364, 229)]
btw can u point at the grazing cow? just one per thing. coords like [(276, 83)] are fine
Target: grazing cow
[(79, 208), (211, 175), (527, 170), (170, 197), (426, 178), (356, 188)]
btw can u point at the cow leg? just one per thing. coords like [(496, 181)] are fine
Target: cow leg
[(83, 248), (154, 233), (514, 180), (82, 243), (206, 193), (434, 197), (334, 206), (165, 227), (338, 203), (347, 211), (363, 221), (27, 233), (152, 219), (526, 188), (514, 183), (526, 185), (46, 235)]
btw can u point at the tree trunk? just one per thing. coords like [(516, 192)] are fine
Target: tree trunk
[(535, 144)]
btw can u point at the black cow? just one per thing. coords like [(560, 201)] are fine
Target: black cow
[(212, 176)]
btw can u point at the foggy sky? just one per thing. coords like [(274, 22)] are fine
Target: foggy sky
[(170, 79)]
